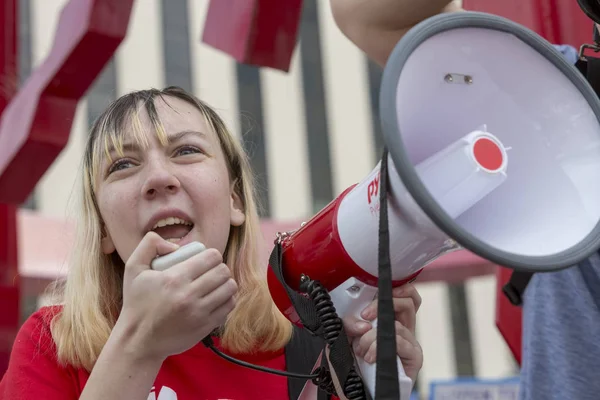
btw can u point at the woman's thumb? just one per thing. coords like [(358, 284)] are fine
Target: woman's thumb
[(152, 245)]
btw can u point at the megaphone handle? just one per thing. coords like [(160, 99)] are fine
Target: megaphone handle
[(367, 371), (351, 298)]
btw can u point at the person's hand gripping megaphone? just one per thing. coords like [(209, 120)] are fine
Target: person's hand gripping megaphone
[(407, 302)]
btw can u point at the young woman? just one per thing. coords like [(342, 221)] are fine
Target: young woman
[(161, 170)]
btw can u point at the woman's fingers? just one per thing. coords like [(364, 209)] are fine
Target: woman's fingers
[(405, 311), (404, 349), (407, 346), (355, 327), (362, 344), (408, 291), (406, 301)]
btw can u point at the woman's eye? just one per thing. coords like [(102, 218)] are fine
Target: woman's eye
[(185, 150), (119, 165)]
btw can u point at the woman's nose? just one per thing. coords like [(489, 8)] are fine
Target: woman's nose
[(160, 181)]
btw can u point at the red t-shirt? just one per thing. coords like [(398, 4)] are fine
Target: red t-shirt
[(198, 374)]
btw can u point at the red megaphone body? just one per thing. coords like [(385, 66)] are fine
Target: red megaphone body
[(341, 241)]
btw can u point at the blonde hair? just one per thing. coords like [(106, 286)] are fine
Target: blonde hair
[(91, 296)]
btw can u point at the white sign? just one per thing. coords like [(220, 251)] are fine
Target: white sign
[(505, 389)]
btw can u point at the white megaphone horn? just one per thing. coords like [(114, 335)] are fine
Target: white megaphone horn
[(494, 147)]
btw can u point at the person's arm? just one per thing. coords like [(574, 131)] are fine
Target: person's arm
[(34, 372), (376, 26), (131, 376)]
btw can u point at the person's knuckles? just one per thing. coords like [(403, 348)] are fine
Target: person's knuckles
[(172, 282), (371, 353), (402, 291), (358, 349), (183, 301), (355, 326), (400, 304), (231, 287), (358, 346), (349, 324), (404, 305), (367, 340), (211, 257), (408, 291), (405, 348), (414, 294), (370, 312), (404, 299), (361, 347), (404, 332), (222, 272), (232, 301), (221, 317), (400, 328), (404, 319)]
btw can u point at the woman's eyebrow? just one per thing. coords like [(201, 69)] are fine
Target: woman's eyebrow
[(180, 135), (173, 137), (126, 147)]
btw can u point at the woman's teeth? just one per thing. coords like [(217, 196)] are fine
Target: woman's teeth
[(171, 221), (173, 229)]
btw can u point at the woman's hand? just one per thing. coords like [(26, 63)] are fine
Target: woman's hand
[(406, 301), (168, 312)]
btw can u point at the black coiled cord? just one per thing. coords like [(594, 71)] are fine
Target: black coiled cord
[(324, 380), (331, 325)]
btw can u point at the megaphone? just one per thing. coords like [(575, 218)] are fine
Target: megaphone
[(494, 147)]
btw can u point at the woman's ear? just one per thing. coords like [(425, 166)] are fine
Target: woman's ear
[(106, 242), (238, 216)]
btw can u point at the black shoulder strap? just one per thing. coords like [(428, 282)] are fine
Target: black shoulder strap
[(519, 280), (516, 285), (589, 67), (301, 354)]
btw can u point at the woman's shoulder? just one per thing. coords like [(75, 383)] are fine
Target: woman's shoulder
[(43, 315), (33, 369), (36, 330)]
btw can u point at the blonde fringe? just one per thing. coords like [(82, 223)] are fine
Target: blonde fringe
[(91, 296)]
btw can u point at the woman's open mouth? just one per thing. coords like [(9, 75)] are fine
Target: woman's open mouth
[(173, 229)]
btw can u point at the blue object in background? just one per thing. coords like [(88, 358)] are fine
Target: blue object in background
[(475, 389)]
